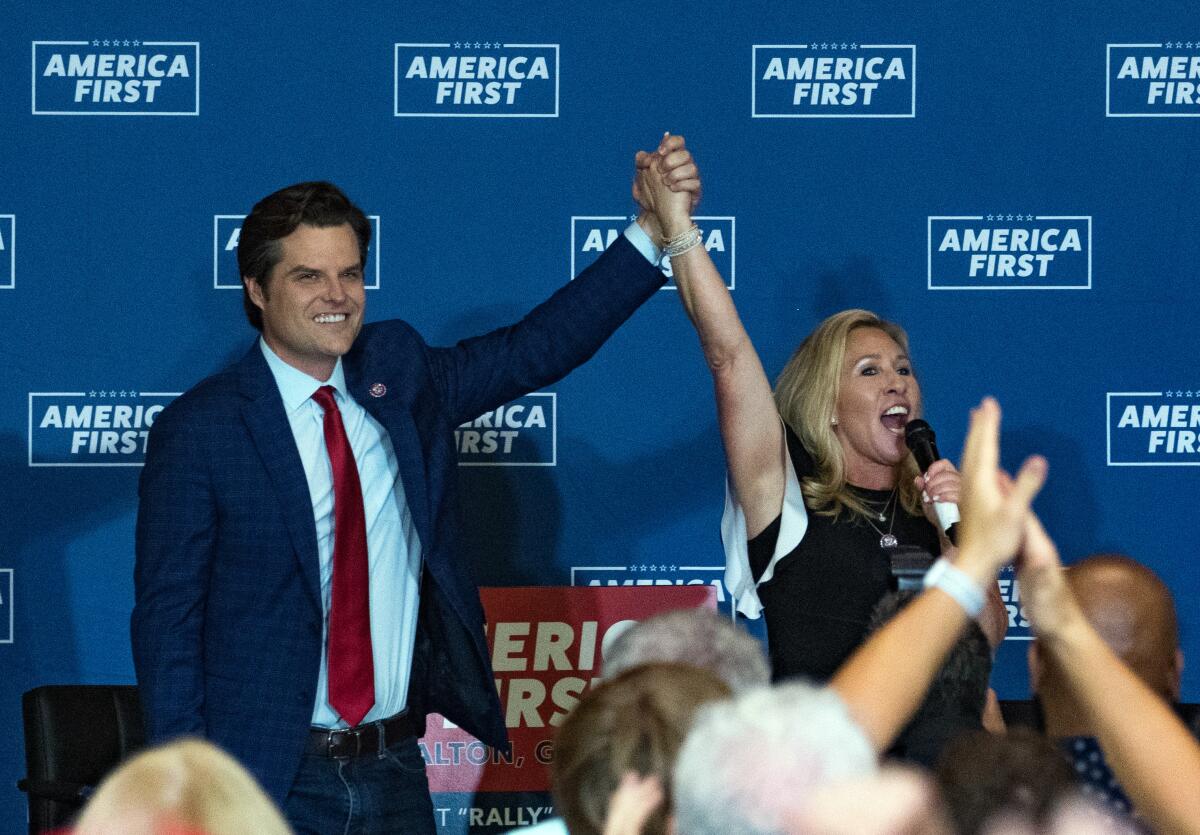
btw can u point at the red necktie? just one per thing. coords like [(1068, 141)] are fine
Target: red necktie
[(351, 665)]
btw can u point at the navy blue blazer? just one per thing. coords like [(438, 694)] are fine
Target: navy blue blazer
[(226, 625)]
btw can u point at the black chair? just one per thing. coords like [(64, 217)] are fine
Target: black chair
[(74, 736)]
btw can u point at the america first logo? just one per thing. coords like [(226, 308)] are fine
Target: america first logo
[(523, 433), (479, 79), (8, 252), (1019, 627), (1154, 428), (116, 77), (1009, 252), (655, 574), (592, 234), (833, 80), (106, 428), (227, 231), (1152, 79)]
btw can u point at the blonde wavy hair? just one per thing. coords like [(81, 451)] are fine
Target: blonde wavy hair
[(806, 393), (186, 786)]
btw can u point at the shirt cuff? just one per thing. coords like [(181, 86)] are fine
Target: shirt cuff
[(637, 236)]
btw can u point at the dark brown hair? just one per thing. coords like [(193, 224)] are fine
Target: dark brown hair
[(278, 215)]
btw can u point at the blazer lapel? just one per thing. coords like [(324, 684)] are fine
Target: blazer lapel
[(388, 408), (272, 435)]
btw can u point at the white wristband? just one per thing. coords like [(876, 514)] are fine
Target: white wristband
[(955, 582)]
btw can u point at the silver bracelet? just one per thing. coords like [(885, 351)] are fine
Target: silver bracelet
[(682, 243), (954, 581)]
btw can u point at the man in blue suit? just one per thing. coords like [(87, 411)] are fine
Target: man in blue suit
[(319, 473)]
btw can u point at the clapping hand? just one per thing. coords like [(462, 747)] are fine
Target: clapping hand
[(995, 506)]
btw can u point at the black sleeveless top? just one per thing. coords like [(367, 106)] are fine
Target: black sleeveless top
[(819, 601)]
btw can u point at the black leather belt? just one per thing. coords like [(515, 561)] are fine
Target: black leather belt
[(372, 739)]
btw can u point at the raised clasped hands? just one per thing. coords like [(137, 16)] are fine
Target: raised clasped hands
[(667, 187)]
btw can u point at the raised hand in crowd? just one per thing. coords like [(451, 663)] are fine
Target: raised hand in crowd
[(632, 803), (885, 680), (1155, 758)]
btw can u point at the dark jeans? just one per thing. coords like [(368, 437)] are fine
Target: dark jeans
[(368, 795)]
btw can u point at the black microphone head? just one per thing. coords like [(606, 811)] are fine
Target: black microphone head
[(918, 431), (922, 443)]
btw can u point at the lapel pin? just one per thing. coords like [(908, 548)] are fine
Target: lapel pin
[(377, 389)]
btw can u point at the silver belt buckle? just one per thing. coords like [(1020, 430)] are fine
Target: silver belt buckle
[(329, 749)]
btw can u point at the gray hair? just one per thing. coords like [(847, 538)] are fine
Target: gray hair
[(699, 637), (750, 764)]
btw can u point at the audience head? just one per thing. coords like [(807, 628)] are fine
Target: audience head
[(1133, 612), (1019, 774), (750, 765), (957, 696), (189, 786), (699, 637), (635, 721)]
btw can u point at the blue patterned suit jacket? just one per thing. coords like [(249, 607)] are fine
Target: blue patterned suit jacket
[(226, 625)]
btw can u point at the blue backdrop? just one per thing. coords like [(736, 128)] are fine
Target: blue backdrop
[(1015, 183)]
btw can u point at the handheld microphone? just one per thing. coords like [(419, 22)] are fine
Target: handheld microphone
[(922, 442)]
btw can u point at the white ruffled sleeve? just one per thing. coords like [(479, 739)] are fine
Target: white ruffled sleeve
[(793, 522)]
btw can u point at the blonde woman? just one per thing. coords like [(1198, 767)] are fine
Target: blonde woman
[(189, 786), (818, 499)]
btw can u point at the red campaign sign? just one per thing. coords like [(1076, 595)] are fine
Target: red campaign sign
[(547, 644)]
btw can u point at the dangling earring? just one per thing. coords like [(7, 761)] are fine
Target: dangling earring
[(833, 421)]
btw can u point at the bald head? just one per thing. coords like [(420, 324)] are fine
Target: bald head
[(1132, 610)]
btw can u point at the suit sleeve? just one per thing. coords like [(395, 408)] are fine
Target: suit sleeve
[(175, 546), (484, 372)]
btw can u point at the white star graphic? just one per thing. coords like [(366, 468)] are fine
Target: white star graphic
[(1169, 394)]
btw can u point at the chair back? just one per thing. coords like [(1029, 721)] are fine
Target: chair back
[(74, 735)]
